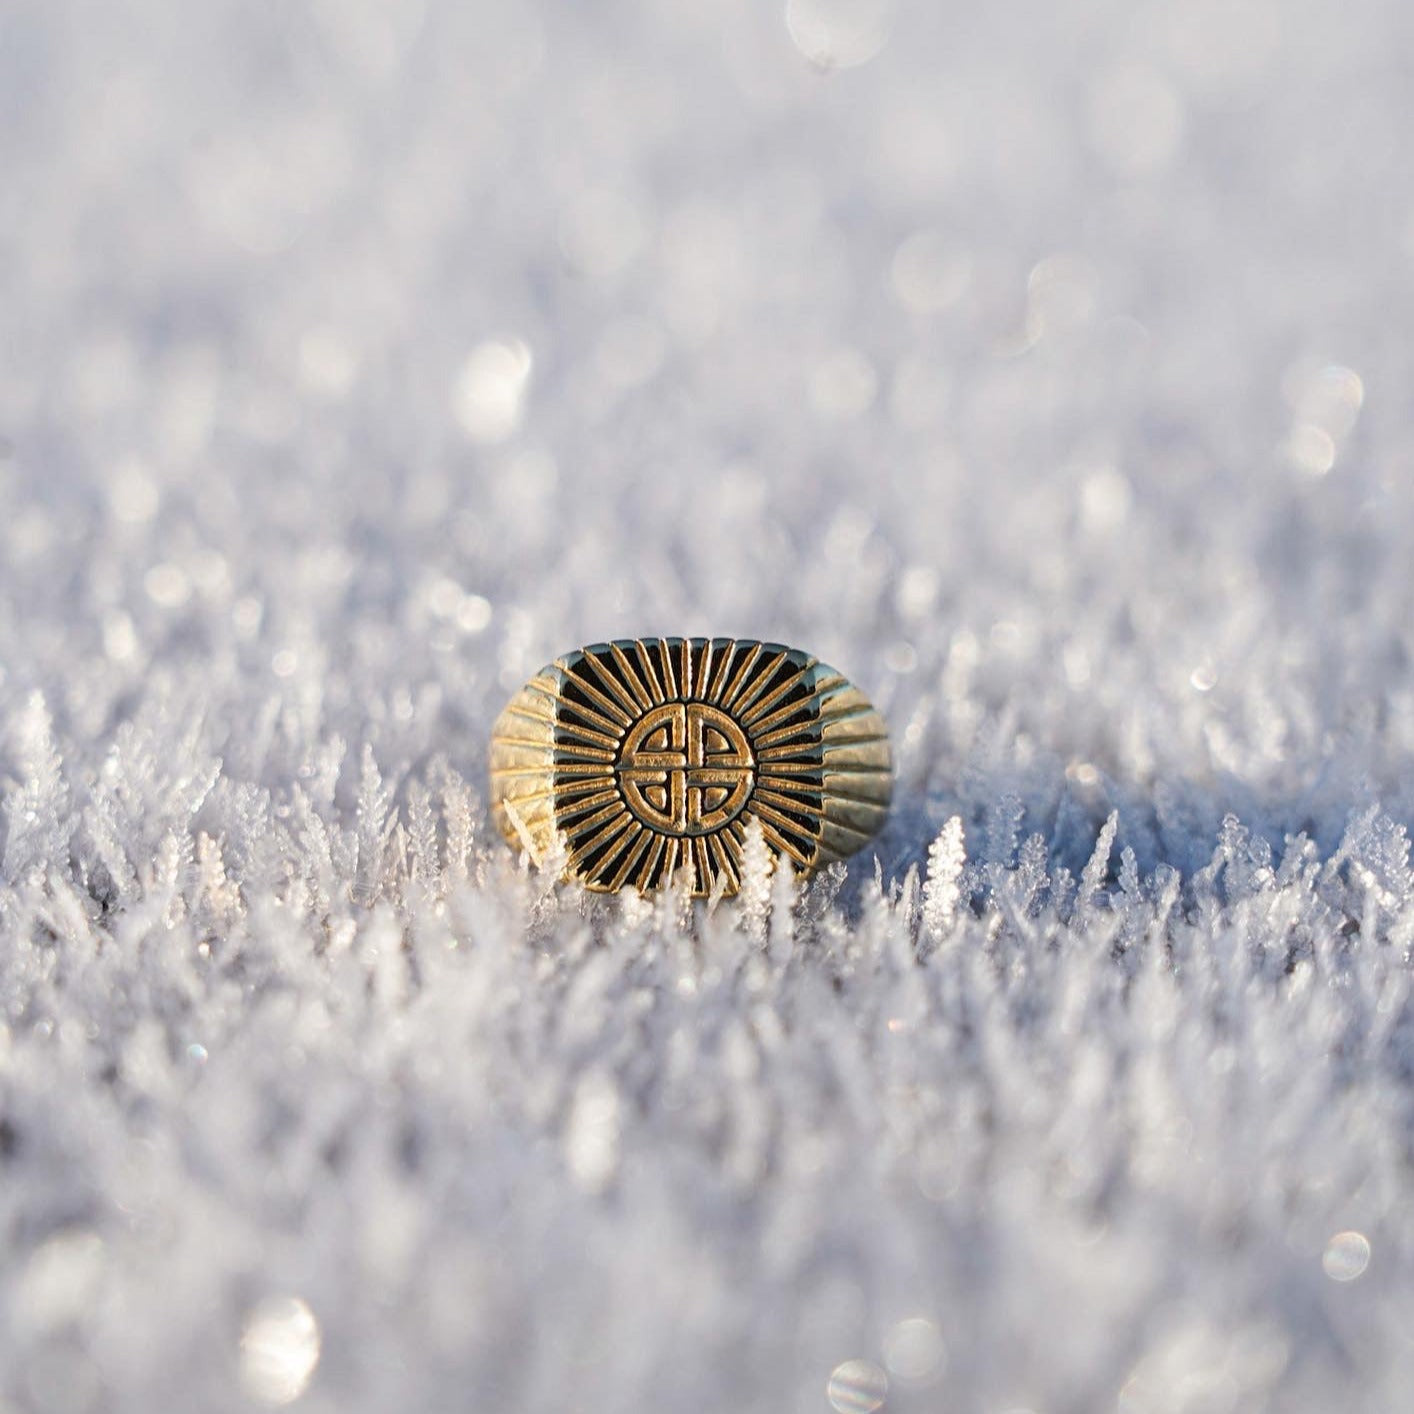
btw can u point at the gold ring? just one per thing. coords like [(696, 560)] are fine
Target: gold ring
[(643, 760)]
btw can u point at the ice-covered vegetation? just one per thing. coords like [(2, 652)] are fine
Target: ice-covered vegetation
[(1119, 1136)]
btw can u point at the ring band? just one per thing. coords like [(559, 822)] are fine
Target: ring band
[(650, 758)]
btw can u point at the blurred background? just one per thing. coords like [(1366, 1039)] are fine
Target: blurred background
[(1044, 366), (373, 348)]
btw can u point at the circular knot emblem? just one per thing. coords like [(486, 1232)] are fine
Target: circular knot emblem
[(686, 768)]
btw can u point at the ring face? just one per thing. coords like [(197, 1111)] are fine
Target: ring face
[(650, 757)]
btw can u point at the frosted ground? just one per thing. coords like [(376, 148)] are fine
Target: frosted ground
[(1044, 366)]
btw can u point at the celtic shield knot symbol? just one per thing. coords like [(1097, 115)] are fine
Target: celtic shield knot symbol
[(685, 768)]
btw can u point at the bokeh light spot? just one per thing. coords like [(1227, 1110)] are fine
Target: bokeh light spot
[(857, 1387), (1346, 1257), (490, 391), (279, 1350), (839, 34), (914, 1351)]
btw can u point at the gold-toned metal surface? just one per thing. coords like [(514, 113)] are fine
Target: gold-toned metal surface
[(649, 757)]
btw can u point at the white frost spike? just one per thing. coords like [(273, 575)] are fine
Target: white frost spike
[(1003, 833), (424, 870), (460, 821), (942, 891), (551, 869), (172, 862), (527, 841), (635, 909), (35, 814), (375, 828), (217, 897), (757, 865), (1092, 877), (785, 892)]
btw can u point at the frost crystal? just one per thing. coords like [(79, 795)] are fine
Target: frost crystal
[(754, 895), (36, 814), (942, 892)]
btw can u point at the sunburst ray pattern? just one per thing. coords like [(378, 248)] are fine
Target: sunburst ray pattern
[(648, 758)]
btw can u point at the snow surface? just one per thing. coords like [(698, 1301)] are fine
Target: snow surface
[(1043, 366)]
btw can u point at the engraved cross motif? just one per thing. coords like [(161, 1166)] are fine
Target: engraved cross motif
[(685, 768)]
